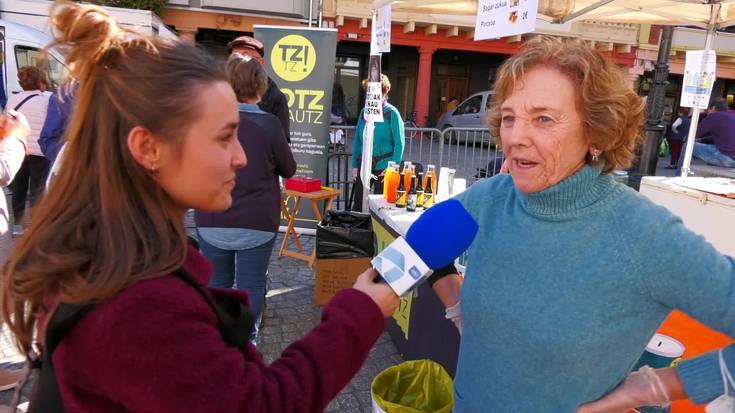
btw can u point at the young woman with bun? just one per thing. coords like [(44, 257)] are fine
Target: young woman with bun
[(154, 133)]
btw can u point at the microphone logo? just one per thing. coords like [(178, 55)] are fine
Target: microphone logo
[(390, 264), (400, 266)]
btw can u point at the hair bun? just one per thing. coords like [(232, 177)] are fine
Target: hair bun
[(85, 32)]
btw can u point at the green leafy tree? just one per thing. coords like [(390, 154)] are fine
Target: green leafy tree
[(155, 6)]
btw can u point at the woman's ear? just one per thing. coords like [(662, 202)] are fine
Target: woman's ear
[(145, 148)]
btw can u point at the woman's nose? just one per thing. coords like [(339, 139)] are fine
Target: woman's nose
[(519, 134), (239, 159)]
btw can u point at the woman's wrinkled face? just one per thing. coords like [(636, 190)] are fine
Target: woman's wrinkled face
[(200, 172), (542, 131)]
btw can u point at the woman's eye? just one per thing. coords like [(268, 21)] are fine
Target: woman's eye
[(543, 119), (507, 120)]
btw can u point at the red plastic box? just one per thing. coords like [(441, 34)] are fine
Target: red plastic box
[(303, 184)]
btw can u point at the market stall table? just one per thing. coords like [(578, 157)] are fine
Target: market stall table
[(418, 329)]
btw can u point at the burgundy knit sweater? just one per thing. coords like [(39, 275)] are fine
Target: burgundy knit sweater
[(156, 347)]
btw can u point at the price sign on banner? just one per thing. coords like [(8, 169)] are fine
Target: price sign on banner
[(699, 77), (382, 29), (501, 18)]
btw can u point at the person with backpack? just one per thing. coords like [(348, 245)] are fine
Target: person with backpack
[(239, 241), (31, 178), (105, 294), (15, 129), (389, 140)]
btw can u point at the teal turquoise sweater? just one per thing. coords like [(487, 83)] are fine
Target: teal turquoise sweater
[(389, 138), (565, 288)]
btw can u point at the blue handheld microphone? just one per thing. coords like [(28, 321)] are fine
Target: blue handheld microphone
[(440, 235)]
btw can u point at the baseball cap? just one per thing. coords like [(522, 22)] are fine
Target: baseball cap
[(246, 42)]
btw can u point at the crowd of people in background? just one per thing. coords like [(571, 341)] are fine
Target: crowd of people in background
[(714, 137)]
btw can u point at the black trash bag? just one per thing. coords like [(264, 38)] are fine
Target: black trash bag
[(345, 234)]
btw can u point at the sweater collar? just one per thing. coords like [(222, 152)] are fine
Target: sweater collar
[(569, 197), (249, 107)]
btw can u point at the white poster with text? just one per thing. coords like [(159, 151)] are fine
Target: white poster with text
[(501, 18), (699, 77), (381, 22)]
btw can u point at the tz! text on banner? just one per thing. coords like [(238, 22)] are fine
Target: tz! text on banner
[(301, 61)]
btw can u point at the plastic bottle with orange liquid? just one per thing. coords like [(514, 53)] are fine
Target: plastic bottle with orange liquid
[(392, 188), (386, 178), (407, 172)]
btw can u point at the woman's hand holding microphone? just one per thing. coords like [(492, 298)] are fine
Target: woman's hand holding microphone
[(381, 293)]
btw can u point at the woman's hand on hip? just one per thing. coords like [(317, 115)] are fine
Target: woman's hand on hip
[(646, 387), (448, 289)]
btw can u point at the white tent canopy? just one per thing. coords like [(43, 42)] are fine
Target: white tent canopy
[(666, 12)]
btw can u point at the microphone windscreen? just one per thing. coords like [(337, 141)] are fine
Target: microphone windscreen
[(442, 233)]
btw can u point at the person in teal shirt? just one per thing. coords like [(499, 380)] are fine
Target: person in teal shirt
[(388, 142), (572, 273)]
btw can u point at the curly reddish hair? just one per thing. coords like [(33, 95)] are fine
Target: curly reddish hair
[(612, 113)]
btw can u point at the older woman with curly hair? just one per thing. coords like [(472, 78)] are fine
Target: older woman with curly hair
[(572, 273)]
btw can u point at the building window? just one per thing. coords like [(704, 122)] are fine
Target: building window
[(347, 90), (55, 70)]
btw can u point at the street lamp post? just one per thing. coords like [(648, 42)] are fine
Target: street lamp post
[(653, 129)]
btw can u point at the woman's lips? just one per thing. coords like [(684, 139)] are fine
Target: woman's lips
[(524, 163)]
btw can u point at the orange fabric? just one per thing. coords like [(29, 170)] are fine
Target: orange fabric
[(697, 339)]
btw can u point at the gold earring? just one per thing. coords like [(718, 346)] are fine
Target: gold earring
[(596, 155)]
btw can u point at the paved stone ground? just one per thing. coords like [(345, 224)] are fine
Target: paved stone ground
[(290, 314)]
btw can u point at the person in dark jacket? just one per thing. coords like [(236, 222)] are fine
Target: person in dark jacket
[(679, 133), (110, 234), (57, 117), (240, 240), (273, 101)]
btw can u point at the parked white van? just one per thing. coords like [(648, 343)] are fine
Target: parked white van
[(21, 45)]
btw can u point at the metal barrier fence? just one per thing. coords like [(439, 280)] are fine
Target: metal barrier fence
[(473, 153), (339, 164), (423, 145)]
